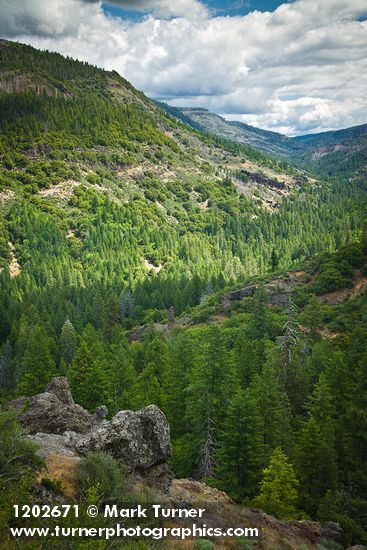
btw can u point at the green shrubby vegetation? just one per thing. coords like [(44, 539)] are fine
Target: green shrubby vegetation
[(99, 471), (18, 466)]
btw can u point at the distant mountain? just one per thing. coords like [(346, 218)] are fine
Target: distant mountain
[(341, 153), (204, 120)]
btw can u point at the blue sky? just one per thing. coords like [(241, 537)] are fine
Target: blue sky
[(218, 7), (241, 7), (294, 67)]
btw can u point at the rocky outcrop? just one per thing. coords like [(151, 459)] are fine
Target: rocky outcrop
[(53, 411), (54, 444), (221, 511), (237, 295), (262, 179), (140, 440), (333, 532), (138, 333), (60, 387), (189, 490), (278, 290), (16, 83)]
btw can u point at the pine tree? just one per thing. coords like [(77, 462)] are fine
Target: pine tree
[(274, 260), (148, 389), (68, 342), (184, 357), (121, 374), (274, 408), (88, 376), (312, 316), (278, 488), (37, 365), (259, 324), (7, 375), (249, 356), (241, 451), (210, 382), (316, 466)]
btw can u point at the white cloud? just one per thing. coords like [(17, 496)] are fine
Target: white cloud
[(298, 69), (165, 8), (43, 18)]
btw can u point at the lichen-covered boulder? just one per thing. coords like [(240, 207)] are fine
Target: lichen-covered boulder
[(53, 411), (53, 444), (138, 439), (60, 387)]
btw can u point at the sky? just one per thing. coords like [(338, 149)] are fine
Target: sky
[(294, 67)]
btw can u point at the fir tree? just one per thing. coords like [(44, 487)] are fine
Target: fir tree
[(316, 466), (274, 260), (68, 342), (278, 488), (37, 365), (242, 452)]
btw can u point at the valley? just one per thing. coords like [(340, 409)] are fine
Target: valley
[(341, 153), (167, 261)]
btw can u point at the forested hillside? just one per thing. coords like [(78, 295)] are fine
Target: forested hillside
[(335, 155), (202, 119), (339, 154), (112, 213)]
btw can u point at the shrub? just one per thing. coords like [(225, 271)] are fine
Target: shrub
[(52, 485), (101, 471), (204, 544), (330, 280), (17, 453)]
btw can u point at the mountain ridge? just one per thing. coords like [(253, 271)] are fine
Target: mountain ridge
[(315, 151)]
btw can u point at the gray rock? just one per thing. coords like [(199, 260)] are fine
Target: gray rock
[(332, 531), (101, 413), (358, 547), (139, 439), (52, 444), (158, 477), (59, 386), (53, 411), (47, 414), (237, 295)]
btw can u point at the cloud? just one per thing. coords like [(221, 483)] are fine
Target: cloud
[(298, 69), (162, 8), (59, 18)]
